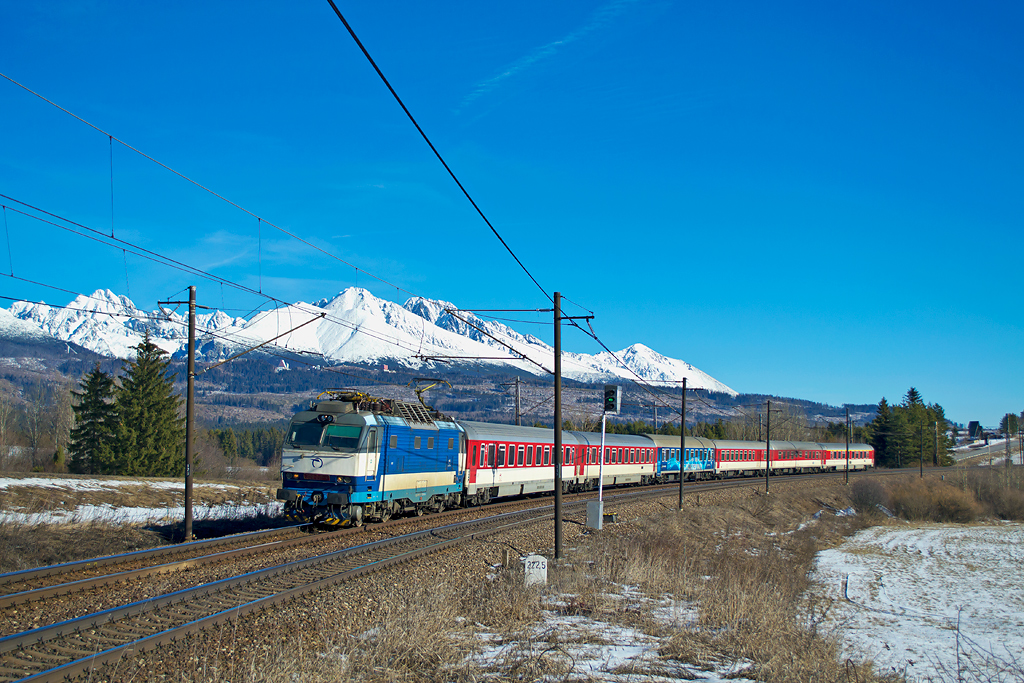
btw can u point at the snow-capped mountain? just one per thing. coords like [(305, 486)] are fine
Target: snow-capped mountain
[(354, 327)]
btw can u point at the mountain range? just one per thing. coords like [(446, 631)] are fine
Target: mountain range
[(352, 327)]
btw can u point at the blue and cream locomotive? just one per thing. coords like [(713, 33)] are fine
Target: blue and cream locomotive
[(353, 457)]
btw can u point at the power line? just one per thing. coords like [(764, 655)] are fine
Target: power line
[(155, 257), (432, 148), (203, 187)]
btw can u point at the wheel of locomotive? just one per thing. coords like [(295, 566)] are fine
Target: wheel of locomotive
[(357, 515), (419, 510)]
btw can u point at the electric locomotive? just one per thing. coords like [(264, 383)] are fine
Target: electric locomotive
[(352, 457)]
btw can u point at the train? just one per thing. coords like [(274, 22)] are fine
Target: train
[(351, 458)]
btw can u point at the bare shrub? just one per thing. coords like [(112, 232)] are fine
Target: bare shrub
[(1000, 492), (933, 500), (867, 494)]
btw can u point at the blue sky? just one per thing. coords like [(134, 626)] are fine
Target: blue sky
[(818, 200)]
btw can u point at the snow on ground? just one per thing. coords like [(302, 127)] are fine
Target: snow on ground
[(909, 585), (76, 484), (120, 514), (114, 515), (596, 651)]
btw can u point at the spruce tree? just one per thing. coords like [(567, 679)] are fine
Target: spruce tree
[(95, 421), (882, 437), (150, 438)]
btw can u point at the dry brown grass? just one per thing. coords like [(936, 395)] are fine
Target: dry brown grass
[(750, 584), (999, 490), (962, 495), (26, 546), (932, 500)]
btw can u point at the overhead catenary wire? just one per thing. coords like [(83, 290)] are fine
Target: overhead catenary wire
[(138, 315), (204, 188), (111, 138), (166, 261), (398, 99), (136, 250)]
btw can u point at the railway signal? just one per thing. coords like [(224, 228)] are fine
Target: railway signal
[(612, 399)]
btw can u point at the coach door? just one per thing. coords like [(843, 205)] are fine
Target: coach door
[(371, 454), (488, 455)]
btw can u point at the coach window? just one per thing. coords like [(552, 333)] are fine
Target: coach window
[(519, 457), (529, 455), (490, 455), (501, 455), (547, 455), (476, 451)]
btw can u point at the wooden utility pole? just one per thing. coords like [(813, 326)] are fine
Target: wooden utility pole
[(768, 449), (921, 453), (558, 425), (847, 445), (189, 404), (519, 415), (190, 410), (682, 448)]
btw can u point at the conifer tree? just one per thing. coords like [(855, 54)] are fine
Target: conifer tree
[(150, 437), (95, 421)]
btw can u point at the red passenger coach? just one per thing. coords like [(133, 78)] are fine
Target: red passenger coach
[(506, 460)]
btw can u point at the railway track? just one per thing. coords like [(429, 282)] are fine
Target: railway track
[(40, 584), (55, 652), (65, 649)]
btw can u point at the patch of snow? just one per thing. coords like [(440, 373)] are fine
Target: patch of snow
[(117, 515), (76, 484), (909, 587)]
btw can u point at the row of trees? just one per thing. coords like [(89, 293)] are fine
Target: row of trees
[(262, 445), (909, 432), (132, 426)]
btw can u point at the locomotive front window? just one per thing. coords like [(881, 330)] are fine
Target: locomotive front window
[(342, 436), (306, 434)]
